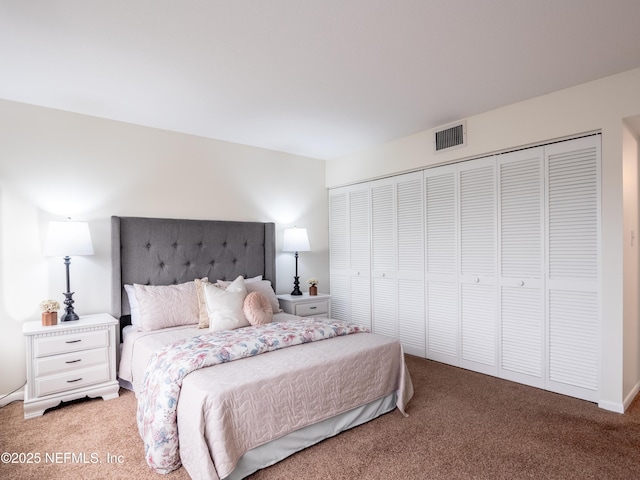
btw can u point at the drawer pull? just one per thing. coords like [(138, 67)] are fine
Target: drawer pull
[(73, 341), (312, 308), (73, 361), (76, 380)]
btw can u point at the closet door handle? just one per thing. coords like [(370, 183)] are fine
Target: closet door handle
[(522, 283), (477, 280)]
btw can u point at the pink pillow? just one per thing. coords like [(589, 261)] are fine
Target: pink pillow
[(257, 309)]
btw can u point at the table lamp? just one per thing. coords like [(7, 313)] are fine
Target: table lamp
[(68, 239), (296, 240)]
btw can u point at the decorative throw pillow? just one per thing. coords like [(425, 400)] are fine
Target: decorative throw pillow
[(203, 314), (264, 287), (256, 284), (225, 306), (257, 309), (134, 308), (163, 306)]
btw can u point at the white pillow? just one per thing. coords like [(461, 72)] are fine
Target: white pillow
[(264, 287), (134, 308), (225, 306), (225, 283), (163, 306), (256, 284)]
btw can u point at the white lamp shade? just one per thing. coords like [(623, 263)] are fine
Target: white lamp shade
[(295, 240), (68, 239)]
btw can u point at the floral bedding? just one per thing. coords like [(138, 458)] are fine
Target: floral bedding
[(161, 387)]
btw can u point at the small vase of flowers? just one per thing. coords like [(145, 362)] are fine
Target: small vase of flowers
[(49, 312), (313, 286)]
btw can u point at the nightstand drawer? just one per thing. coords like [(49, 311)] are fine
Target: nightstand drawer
[(71, 380), (71, 342), (315, 308), (70, 361), (306, 305)]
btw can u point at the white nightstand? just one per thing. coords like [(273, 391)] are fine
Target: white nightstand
[(306, 305), (70, 360)]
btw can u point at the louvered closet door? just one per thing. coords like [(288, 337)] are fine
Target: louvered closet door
[(410, 263), (441, 264), (339, 253), (521, 266), (359, 256), (573, 242), (383, 258), (349, 254), (477, 252), (397, 260)]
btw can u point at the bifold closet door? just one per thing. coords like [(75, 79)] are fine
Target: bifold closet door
[(339, 253), (410, 266), (573, 243), (397, 259), (360, 256), (521, 266), (384, 282), (460, 212), (477, 274), (441, 264), (349, 257)]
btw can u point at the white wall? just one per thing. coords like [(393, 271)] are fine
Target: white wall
[(596, 106), (631, 334), (56, 164)]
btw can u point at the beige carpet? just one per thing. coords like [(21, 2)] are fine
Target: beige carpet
[(462, 425)]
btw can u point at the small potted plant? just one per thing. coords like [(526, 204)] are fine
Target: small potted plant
[(49, 312), (313, 286)]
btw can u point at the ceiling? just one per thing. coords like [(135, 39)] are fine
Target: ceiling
[(319, 78)]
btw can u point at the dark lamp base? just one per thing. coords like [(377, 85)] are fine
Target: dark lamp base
[(296, 286), (69, 315)]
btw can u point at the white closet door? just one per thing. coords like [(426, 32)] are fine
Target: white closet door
[(339, 253), (573, 242), (397, 260), (477, 251), (359, 256), (350, 254), (521, 266), (441, 264), (383, 258), (410, 263)]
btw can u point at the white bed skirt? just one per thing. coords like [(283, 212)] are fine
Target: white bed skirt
[(277, 450)]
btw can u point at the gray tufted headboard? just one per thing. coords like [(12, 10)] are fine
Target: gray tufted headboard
[(161, 251)]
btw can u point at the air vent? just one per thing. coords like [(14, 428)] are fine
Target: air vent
[(450, 136)]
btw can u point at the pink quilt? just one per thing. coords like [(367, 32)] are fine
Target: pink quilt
[(159, 395)]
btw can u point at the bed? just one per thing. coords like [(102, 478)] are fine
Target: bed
[(235, 417)]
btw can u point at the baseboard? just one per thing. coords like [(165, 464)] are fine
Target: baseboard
[(632, 395), (611, 406), (12, 397), (621, 407)]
